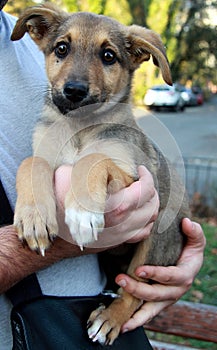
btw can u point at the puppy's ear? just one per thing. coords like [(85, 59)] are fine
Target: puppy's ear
[(143, 43), (38, 21)]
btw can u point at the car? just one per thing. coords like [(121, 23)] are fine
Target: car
[(189, 97), (199, 94), (165, 96)]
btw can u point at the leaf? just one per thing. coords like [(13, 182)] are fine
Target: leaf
[(214, 251), (198, 296)]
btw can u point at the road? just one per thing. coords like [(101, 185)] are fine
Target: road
[(191, 135), (194, 130)]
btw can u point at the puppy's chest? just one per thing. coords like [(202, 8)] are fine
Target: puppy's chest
[(60, 144)]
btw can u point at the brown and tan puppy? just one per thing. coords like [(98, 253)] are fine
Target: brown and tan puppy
[(87, 121)]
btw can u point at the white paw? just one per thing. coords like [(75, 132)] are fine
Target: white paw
[(102, 326), (94, 333), (84, 226)]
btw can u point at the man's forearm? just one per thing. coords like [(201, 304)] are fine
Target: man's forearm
[(17, 262)]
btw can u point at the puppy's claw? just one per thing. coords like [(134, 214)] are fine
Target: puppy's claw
[(23, 242), (97, 336), (108, 342), (95, 232), (37, 251), (36, 226), (103, 327), (89, 324), (52, 237), (83, 225), (42, 251)]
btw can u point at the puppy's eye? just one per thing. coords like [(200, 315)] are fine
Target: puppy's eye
[(62, 50), (109, 56)]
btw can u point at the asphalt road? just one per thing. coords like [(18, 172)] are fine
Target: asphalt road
[(189, 140), (192, 132)]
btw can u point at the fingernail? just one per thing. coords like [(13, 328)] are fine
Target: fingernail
[(122, 283), (125, 330), (142, 274)]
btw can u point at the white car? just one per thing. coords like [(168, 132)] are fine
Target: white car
[(165, 96)]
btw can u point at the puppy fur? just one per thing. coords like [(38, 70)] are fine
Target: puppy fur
[(87, 121)]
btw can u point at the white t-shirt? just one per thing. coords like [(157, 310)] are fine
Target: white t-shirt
[(22, 86)]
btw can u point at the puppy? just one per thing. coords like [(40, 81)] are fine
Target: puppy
[(87, 121)]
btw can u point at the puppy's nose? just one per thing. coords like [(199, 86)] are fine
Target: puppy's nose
[(75, 91)]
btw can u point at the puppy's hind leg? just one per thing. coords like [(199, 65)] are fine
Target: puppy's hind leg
[(35, 211), (104, 324)]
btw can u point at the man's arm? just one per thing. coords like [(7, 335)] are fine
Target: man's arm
[(18, 262), (140, 200)]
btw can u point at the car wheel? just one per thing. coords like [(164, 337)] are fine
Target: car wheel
[(179, 107), (176, 108), (182, 108)]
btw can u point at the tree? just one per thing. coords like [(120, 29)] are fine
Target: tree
[(118, 10), (96, 6), (139, 11), (16, 7), (195, 52)]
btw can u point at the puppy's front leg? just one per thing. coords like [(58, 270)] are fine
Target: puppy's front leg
[(35, 211), (93, 176)]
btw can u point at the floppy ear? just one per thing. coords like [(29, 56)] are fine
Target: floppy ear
[(143, 43), (38, 21)]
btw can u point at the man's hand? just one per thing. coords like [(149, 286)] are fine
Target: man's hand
[(135, 214), (171, 282), (139, 209), (129, 213)]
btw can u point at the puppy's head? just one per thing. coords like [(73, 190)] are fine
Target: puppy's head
[(89, 58)]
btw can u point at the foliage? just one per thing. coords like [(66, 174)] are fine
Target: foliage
[(97, 6), (16, 7), (195, 51), (187, 28), (139, 11)]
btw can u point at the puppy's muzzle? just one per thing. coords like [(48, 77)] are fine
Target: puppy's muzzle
[(73, 95), (75, 91)]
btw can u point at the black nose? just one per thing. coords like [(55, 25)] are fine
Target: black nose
[(75, 91)]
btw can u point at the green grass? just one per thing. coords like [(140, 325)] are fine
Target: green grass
[(204, 290)]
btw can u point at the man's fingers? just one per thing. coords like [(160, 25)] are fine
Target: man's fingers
[(141, 191), (132, 209), (172, 281), (62, 181), (170, 275), (145, 314), (134, 196), (149, 292), (194, 233), (141, 234)]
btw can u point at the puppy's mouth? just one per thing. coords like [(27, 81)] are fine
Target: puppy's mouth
[(65, 106), (74, 96)]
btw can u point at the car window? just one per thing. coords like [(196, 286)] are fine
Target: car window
[(161, 88)]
